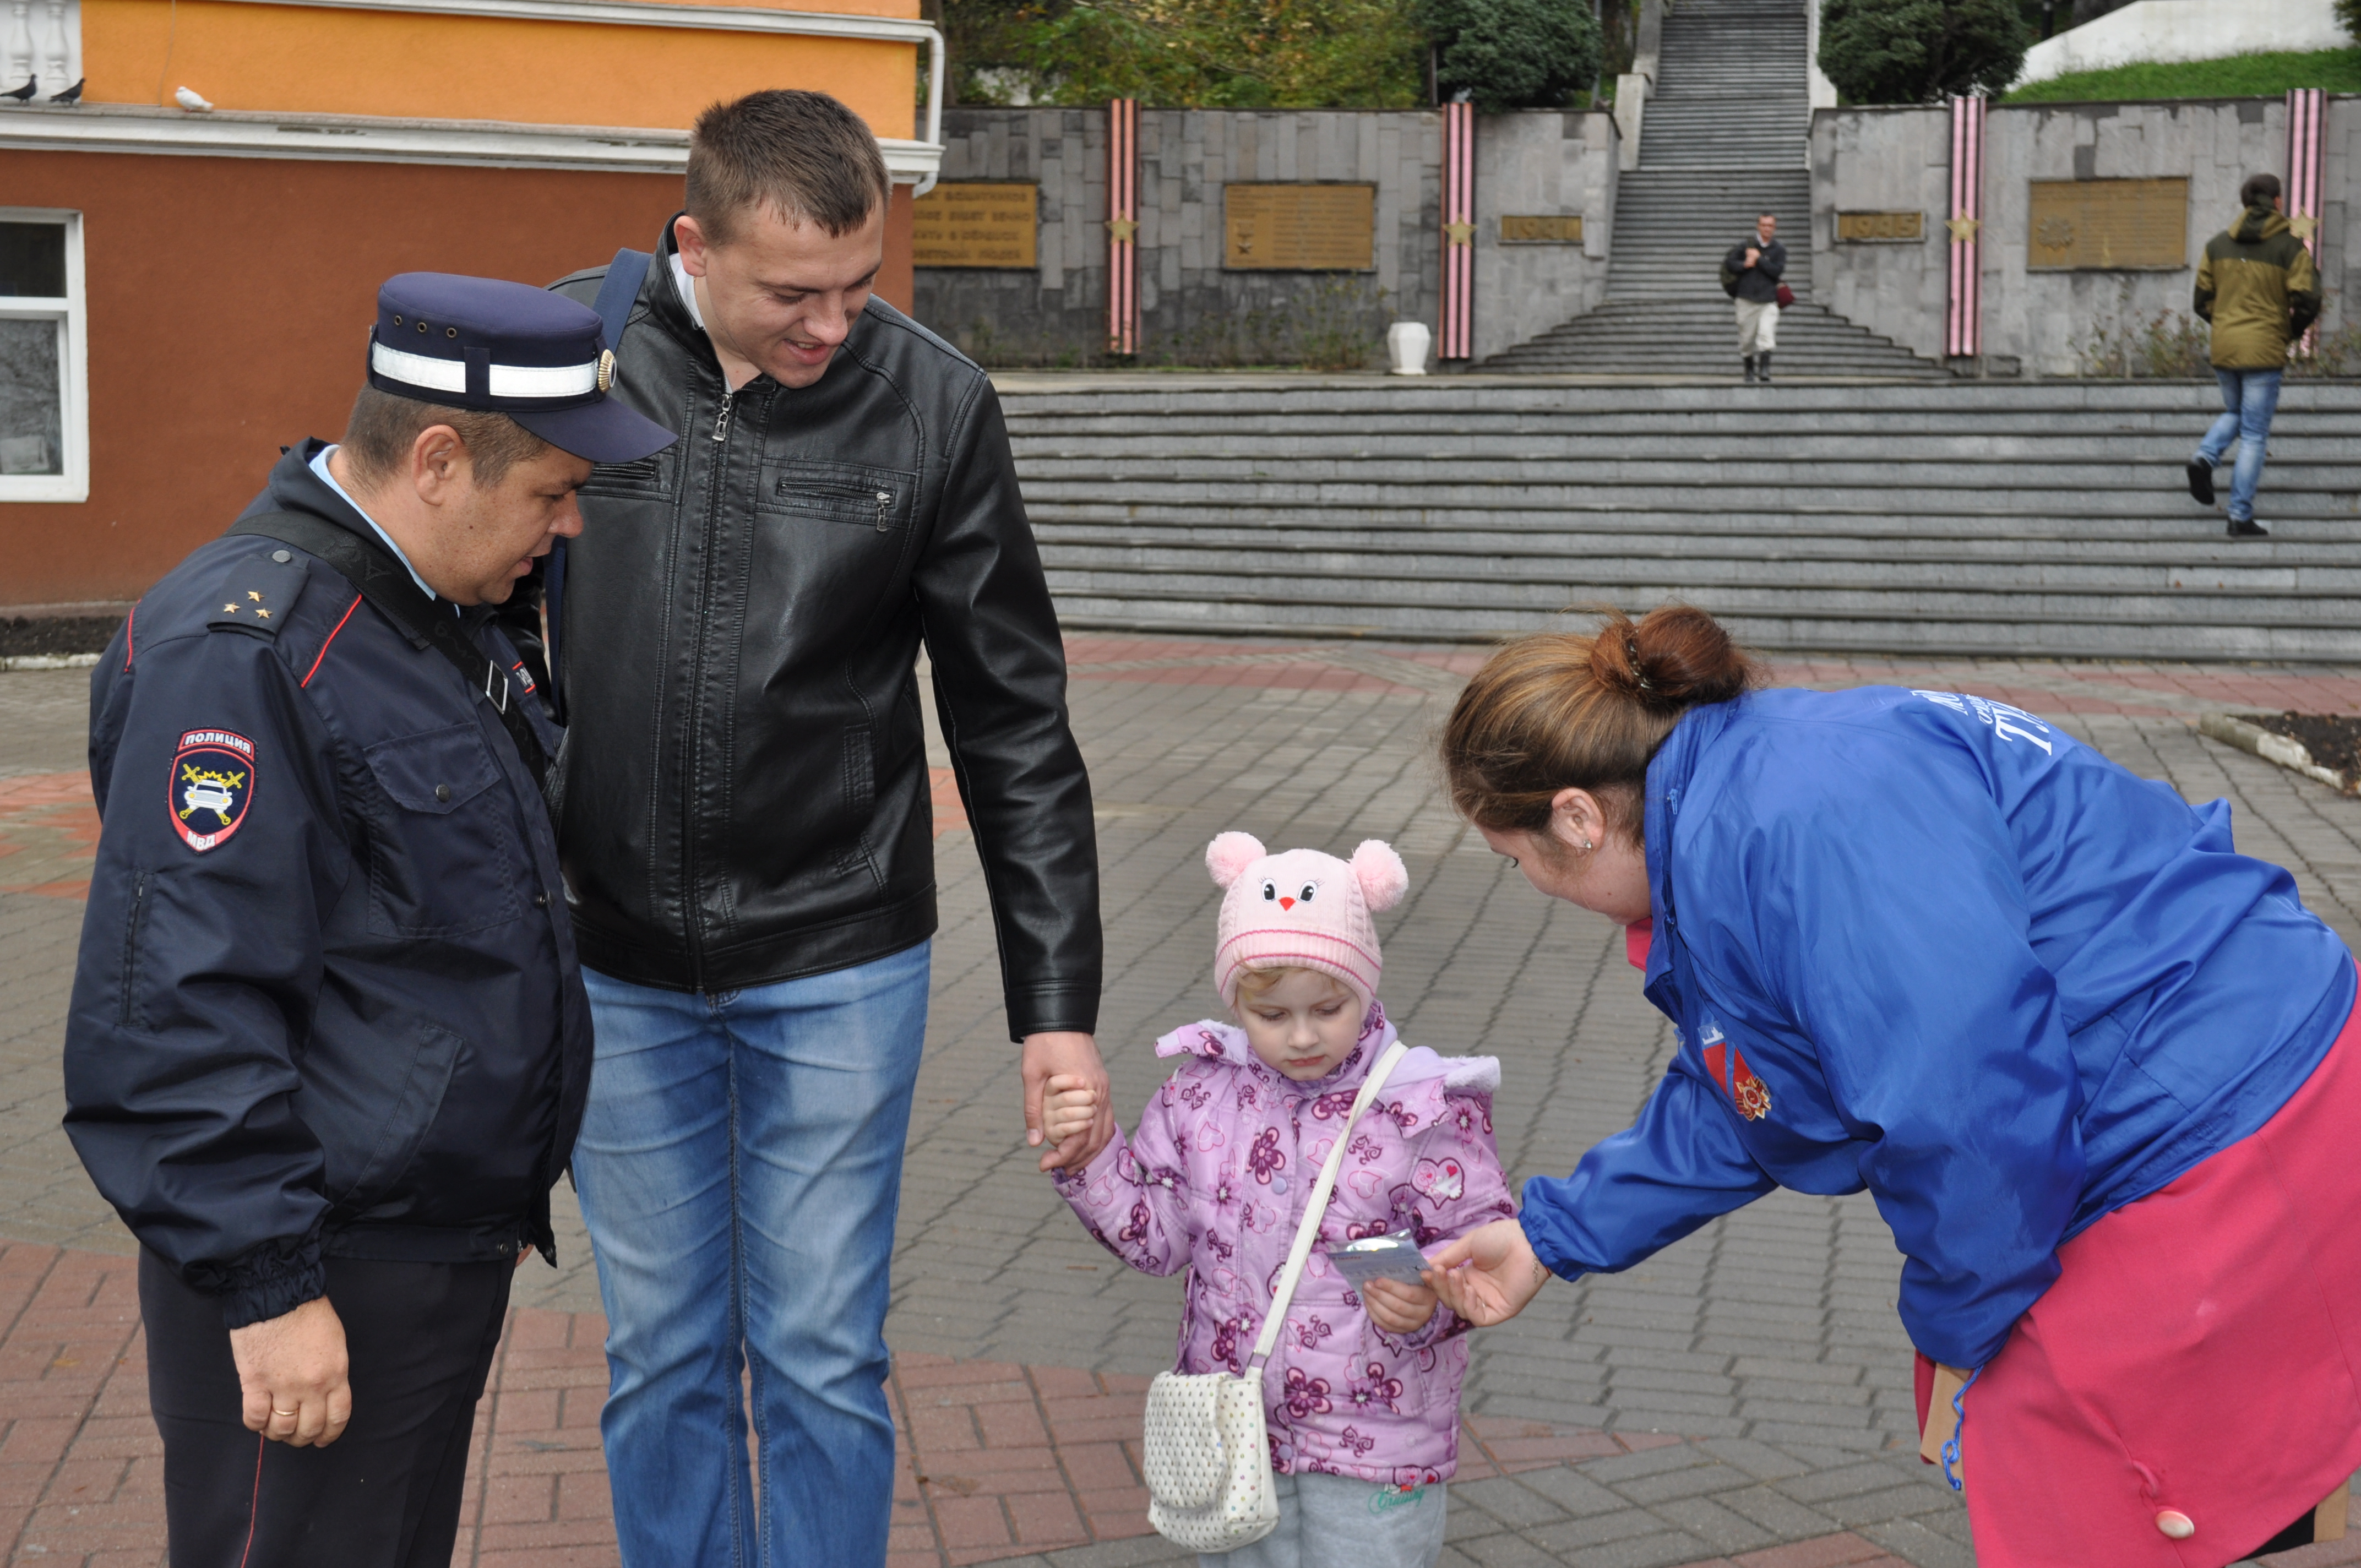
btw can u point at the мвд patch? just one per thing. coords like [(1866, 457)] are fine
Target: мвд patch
[(211, 786)]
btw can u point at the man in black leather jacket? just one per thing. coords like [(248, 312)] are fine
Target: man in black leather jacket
[(746, 829)]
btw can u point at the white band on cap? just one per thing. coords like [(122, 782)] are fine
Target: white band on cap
[(507, 380)]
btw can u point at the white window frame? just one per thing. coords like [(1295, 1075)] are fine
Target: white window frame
[(71, 312)]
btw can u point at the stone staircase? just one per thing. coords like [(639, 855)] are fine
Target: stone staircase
[(2041, 520), (1723, 139)]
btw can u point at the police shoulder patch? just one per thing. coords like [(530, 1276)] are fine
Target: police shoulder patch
[(211, 787)]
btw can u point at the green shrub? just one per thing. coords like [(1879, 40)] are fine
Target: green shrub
[(1512, 54), (1919, 52), (2349, 13)]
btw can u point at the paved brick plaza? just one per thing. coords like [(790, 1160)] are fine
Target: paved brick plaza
[(1743, 1398)]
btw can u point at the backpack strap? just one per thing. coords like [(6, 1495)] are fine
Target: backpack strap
[(620, 291), (1317, 1204), (372, 568)]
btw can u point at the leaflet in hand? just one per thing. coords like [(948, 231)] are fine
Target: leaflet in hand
[(1380, 1257)]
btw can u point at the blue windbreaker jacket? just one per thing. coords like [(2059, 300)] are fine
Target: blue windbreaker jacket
[(1928, 945)]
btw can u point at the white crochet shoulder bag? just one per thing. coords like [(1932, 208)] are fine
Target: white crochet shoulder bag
[(1205, 1452)]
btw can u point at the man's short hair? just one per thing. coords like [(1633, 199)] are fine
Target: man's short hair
[(803, 155), (384, 427), (2259, 190), (1759, 216)]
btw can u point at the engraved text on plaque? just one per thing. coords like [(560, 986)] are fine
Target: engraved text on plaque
[(1876, 228), (1299, 228), (970, 224), (2108, 226), (1546, 228)]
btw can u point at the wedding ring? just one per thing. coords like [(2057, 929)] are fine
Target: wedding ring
[(277, 1411)]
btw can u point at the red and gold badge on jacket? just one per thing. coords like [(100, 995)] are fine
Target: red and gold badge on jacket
[(212, 782), (1730, 1070)]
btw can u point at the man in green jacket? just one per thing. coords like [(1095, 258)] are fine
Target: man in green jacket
[(2258, 288)]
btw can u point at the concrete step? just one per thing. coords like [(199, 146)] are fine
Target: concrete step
[(2043, 520)]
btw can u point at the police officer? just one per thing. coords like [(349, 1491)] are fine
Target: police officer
[(328, 1045)]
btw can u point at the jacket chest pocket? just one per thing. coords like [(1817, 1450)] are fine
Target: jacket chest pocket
[(654, 478), (840, 495), (444, 858)]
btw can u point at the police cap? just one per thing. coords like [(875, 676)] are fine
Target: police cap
[(500, 347)]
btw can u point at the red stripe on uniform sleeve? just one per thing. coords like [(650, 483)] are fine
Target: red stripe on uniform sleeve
[(332, 637)]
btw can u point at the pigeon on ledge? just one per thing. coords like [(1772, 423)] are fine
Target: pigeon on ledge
[(191, 99), (32, 85), (70, 97)]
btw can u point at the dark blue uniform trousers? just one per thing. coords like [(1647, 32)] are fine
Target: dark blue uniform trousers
[(420, 1338)]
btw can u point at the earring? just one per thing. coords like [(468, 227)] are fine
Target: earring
[(1585, 846)]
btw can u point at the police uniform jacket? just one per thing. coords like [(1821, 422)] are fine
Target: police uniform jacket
[(1928, 945), (326, 1001), (745, 791)]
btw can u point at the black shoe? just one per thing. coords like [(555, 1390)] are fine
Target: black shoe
[(1766, 364), (2249, 528), (1750, 369), (2201, 482)]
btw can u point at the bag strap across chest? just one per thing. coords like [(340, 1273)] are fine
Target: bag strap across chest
[(428, 623), (1315, 1206)]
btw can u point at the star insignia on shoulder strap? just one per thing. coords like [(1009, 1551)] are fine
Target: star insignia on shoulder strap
[(229, 609)]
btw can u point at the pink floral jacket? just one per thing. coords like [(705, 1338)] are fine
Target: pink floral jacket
[(1215, 1181)]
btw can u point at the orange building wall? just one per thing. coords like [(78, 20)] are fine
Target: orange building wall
[(322, 60), (229, 303)]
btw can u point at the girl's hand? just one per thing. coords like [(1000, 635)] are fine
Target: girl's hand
[(1489, 1274), (1397, 1308), (1068, 1105)]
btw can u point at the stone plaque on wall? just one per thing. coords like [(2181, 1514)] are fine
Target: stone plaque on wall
[(973, 224), (2108, 226), (1544, 228), (1880, 228), (1299, 228)]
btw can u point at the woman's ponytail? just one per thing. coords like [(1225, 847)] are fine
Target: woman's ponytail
[(1556, 710)]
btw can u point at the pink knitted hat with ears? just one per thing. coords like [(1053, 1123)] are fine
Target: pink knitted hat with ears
[(1302, 909)]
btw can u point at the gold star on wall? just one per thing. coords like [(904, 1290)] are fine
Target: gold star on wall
[(1963, 227), (1461, 233), (1123, 229)]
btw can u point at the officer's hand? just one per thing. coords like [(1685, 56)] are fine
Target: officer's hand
[(1075, 1054), (291, 1372)]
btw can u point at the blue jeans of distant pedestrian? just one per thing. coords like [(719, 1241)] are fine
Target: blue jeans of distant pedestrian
[(2250, 398), (739, 1165)]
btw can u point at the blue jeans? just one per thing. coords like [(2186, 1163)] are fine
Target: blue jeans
[(739, 1165), (2251, 397)]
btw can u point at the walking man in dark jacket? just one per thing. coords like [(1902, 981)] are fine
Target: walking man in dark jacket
[(2258, 288), (747, 835), (1749, 274), (328, 1045)]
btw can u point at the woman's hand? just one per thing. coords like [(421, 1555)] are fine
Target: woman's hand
[(1397, 1308), (1489, 1274)]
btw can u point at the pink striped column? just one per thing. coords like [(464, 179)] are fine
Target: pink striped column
[(2307, 107), (1123, 226), (1963, 333), (1458, 231)]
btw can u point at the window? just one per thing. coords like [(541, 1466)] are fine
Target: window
[(44, 417)]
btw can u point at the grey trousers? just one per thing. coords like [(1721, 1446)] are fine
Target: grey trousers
[(1758, 326), (1334, 1521)]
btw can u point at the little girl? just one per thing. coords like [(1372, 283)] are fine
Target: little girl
[(1363, 1391)]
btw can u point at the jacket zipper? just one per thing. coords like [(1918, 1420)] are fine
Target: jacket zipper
[(692, 905), (125, 1008), (884, 499)]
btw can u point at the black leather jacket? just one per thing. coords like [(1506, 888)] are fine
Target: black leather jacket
[(743, 794)]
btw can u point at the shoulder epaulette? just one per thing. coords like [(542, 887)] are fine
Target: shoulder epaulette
[(259, 591)]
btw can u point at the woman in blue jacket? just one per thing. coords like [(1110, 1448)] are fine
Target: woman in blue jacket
[(2091, 1062)]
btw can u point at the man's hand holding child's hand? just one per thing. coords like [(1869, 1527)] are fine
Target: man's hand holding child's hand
[(1397, 1308)]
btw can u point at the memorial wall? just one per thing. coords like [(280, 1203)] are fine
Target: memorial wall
[(1263, 236), (2093, 214)]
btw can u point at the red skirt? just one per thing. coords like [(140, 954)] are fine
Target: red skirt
[(2198, 1355)]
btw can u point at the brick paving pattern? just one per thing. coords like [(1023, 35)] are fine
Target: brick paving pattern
[(1743, 1398)]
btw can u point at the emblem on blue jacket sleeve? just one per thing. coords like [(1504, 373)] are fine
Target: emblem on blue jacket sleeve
[(211, 786), (1729, 1071)]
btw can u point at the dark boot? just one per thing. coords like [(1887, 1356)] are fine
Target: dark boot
[(1765, 357), (1749, 368), (2200, 481), (2247, 528)]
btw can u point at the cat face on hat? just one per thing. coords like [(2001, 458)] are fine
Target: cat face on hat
[(1302, 909)]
